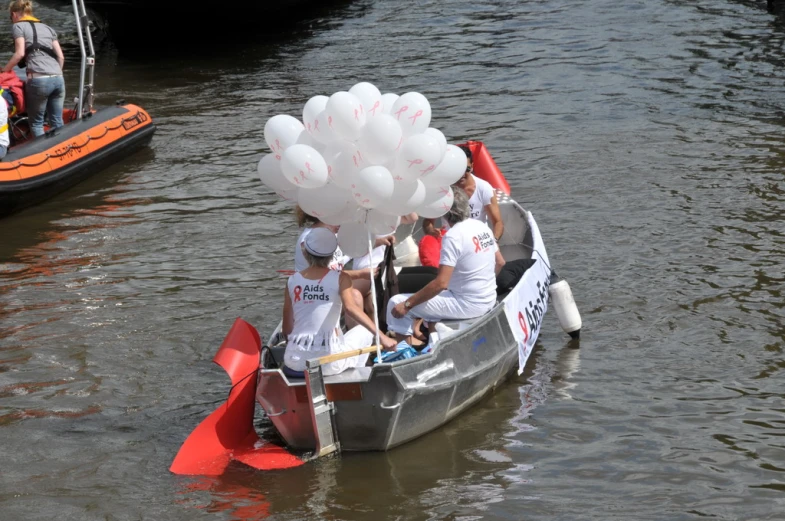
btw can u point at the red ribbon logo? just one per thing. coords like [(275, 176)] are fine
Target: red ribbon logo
[(413, 162), (416, 115), (375, 106), (522, 322), (476, 242), (297, 292)]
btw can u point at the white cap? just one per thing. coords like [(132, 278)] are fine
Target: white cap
[(321, 242)]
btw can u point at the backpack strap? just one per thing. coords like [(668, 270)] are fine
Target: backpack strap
[(37, 46)]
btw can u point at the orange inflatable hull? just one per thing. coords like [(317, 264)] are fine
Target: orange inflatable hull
[(45, 166)]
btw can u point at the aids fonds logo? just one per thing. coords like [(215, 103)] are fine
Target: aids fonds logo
[(310, 293)]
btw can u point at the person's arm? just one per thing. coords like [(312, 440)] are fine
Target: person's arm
[(409, 218), (430, 290), (361, 274), (19, 53), (429, 228), (288, 315), (59, 52), (356, 312), (500, 262), (492, 209)]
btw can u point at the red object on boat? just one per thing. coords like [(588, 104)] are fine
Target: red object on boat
[(228, 433), (485, 167), (430, 249), (11, 82)]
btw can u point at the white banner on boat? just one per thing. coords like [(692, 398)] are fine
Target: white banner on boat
[(526, 304)]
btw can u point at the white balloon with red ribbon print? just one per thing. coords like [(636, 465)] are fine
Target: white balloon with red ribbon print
[(361, 158)]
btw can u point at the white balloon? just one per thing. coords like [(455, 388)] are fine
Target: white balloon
[(282, 131), (373, 185), (347, 115), (353, 239), (370, 97), (380, 223), (322, 201), (344, 215), (413, 112), (344, 162), (438, 201), (269, 170), (322, 130), (313, 107), (380, 138), (418, 156), (451, 168), (436, 133), (388, 100), (304, 166), (406, 198)]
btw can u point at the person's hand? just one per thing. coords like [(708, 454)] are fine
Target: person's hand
[(387, 240), (388, 344), (434, 232), (399, 310)]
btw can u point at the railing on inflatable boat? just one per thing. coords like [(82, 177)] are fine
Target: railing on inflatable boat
[(86, 92)]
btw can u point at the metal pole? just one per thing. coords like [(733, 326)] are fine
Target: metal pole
[(84, 58), (82, 29)]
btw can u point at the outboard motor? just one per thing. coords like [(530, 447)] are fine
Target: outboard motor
[(564, 304)]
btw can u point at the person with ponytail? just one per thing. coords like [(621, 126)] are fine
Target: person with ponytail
[(36, 43)]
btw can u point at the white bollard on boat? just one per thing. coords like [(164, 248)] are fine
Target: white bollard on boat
[(564, 304)]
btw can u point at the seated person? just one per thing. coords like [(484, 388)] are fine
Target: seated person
[(482, 201), (361, 280), (465, 283), (313, 300)]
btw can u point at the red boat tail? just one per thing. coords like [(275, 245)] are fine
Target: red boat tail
[(228, 433), (485, 167)]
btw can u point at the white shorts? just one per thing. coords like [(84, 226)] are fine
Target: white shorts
[(443, 306)]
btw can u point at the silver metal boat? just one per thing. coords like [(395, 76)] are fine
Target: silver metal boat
[(387, 404)]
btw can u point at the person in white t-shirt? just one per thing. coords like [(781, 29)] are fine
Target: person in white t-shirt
[(361, 280), (465, 283), (313, 301), (482, 201)]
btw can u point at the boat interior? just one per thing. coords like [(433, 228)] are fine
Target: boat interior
[(516, 243)]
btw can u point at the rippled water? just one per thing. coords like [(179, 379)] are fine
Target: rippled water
[(645, 137)]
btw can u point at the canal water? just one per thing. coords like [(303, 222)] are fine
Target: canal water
[(646, 137)]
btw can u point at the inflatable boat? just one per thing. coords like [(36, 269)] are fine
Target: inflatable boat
[(37, 168), (379, 407)]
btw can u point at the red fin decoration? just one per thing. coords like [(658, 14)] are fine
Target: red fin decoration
[(228, 433)]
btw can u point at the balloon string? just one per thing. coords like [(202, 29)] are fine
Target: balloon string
[(373, 295)]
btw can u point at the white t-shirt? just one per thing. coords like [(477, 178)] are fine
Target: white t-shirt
[(483, 193), (339, 259), (316, 310), (469, 247)]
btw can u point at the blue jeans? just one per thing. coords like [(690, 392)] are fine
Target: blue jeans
[(45, 95)]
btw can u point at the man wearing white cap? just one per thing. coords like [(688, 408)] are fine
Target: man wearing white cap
[(313, 301)]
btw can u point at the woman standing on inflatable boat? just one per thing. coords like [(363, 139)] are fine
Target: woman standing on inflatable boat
[(312, 310), (37, 43)]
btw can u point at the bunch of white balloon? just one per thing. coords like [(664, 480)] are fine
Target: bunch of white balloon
[(361, 160)]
